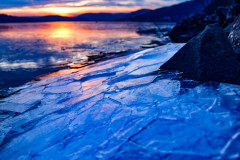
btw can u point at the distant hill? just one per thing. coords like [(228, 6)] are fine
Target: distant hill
[(12, 19), (132, 15), (100, 16), (52, 18), (82, 17), (110, 16), (173, 13), (7, 19)]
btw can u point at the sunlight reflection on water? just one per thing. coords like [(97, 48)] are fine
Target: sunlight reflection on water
[(31, 49), (42, 41)]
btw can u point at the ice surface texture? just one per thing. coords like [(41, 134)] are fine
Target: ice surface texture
[(122, 109)]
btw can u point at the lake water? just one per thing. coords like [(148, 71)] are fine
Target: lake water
[(28, 50)]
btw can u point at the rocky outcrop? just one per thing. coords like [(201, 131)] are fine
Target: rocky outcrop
[(233, 13), (234, 36), (207, 57), (219, 11), (189, 28)]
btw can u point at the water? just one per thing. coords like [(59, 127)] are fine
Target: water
[(28, 50)]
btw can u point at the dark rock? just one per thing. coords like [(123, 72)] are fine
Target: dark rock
[(233, 13), (218, 11), (189, 28), (228, 29), (175, 13), (234, 36), (155, 43), (148, 31), (222, 13), (207, 57), (215, 4), (159, 43)]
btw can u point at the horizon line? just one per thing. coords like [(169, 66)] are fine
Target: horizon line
[(78, 14)]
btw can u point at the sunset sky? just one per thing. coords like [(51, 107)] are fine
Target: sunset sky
[(76, 7)]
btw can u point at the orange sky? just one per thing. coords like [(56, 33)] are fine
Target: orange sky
[(76, 7), (64, 11)]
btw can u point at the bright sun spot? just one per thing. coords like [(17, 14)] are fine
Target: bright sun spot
[(61, 11), (61, 33)]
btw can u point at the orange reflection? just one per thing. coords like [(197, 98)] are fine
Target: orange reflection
[(91, 83), (77, 39), (53, 74), (62, 33), (71, 32)]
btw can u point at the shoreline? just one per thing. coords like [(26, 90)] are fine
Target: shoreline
[(50, 47), (92, 59)]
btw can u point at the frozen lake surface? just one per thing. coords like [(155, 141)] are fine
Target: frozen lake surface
[(28, 50), (122, 108)]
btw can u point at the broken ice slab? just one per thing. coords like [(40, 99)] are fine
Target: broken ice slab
[(134, 82), (187, 137), (145, 70), (22, 101), (71, 87), (121, 108), (150, 93), (150, 57)]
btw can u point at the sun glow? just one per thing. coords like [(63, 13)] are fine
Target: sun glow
[(64, 11), (61, 11)]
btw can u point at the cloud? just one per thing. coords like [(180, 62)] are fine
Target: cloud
[(83, 3), (76, 7)]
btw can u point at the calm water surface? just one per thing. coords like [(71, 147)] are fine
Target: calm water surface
[(28, 50)]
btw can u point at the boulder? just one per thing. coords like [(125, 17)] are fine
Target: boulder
[(233, 13), (223, 12), (189, 28), (234, 36), (207, 57)]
